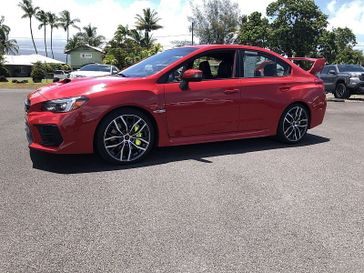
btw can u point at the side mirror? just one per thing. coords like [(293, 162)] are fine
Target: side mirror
[(190, 75), (332, 72)]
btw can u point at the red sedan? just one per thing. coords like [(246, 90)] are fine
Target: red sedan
[(181, 96)]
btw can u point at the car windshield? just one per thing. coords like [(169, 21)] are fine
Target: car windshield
[(156, 62), (350, 68), (94, 67)]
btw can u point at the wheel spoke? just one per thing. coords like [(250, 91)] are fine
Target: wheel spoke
[(122, 152), (125, 124), (143, 140), (129, 155), (138, 147), (135, 124), (117, 127), (286, 131), (140, 130), (113, 146), (113, 137), (289, 115)]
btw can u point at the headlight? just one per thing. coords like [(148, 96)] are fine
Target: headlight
[(64, 105)]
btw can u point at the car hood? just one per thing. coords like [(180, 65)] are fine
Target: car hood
[(352, 74), (82, 87)]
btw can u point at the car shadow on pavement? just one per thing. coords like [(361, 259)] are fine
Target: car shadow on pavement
[(72, 164)]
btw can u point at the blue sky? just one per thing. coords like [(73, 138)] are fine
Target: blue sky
[(107, 14)]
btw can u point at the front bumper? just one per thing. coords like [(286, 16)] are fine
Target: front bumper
[(356, 85), (62, 133)]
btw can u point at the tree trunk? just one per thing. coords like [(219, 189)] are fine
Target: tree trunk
[(31, 34), (68, 37), (52, 42), (45, 40)]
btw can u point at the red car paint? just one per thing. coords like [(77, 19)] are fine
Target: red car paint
[(214, 110)]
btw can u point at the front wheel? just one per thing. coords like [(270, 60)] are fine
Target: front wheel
[(342, 91), (125, 136), (293, 124)]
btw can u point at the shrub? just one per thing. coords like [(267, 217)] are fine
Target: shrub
[(3, 79), (39, 72)]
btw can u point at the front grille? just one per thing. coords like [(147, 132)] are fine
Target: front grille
[(50, 135), (361, 77), (26, 105)]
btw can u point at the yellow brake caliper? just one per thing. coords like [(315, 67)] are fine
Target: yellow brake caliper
[(137, 142)]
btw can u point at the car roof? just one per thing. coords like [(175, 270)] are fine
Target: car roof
[(230, 46)]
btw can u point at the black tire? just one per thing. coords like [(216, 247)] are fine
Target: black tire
[(341, 91), (293, 124), (117, 129)]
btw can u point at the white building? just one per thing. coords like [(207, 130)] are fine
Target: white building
[(21, 65)]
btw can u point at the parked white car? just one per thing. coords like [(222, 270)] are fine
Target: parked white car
[(94, 70)]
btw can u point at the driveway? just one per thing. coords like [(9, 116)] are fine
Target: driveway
[(240, 206)]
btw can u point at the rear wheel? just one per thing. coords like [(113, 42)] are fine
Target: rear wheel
[(341, 91), (293, 124), (125, 136)]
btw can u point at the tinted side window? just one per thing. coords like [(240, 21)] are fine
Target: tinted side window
[(325, 71), (215, 65), (259, 65)]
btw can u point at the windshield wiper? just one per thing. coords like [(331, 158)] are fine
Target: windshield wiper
[(122, 75)]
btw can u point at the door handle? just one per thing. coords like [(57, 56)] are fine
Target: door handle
[(285, 88), (231, 91)]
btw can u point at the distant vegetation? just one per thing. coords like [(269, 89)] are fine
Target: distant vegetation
[(292, 28)]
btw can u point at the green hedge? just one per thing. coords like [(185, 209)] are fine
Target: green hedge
[(41, 70)]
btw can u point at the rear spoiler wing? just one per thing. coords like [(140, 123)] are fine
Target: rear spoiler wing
[(317, 64)]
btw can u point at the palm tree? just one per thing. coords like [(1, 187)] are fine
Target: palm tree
[(43, 19), (53, 22), (29, 11), (66, 22), (74, 42), (147, 22), (90, 36), (6, 46)]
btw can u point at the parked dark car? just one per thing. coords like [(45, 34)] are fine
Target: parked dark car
[(343, 80)]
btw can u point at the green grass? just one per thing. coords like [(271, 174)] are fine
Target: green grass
[(29, 85)]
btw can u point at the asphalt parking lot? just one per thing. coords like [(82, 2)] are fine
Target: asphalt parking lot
[(241, 206)]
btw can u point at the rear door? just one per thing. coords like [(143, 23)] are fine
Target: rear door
[(264, 80)]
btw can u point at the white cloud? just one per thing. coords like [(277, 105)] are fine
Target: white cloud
[(331, 6), (107, 14), (349, 14)]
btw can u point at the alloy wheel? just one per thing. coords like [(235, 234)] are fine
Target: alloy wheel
[(295, 124), (127, 138)]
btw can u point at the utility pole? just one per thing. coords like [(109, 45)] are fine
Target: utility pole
[(192, 30)]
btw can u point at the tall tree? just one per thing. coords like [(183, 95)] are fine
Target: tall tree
[(216, 21), (337, 46), (29, 12), (74, 42), (127, 47), (53, 22), (254, 30), (91, 37), (7, 46), (148, 22), (66, 22), (296, 26), (43, 19)]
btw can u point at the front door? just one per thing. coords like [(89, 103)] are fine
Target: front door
[(207, 107)]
